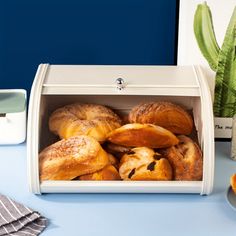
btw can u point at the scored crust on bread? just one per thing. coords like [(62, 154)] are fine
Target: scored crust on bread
[(109, 172), (233, 182), (83, 119), (143, 163), (142, 135), (72, 157), (185, 159), (165, 114)]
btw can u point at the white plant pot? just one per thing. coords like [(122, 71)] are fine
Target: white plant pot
[(223, 127)]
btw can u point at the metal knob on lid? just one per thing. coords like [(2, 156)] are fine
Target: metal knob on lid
[(120, 83)]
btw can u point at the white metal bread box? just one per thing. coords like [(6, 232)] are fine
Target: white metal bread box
[(58, 85)]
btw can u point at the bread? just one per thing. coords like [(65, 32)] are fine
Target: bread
[(142, 135), (72, 157), (83, 119), (144, 164), (109, 172), (185, 159), (165, 114), (233, 182)]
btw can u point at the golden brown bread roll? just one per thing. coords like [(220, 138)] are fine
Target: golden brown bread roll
[(185, 159), (233, 182), (109, 172), (143, 163), (142, 135), (83, 119), (164, 114), (72, 157)]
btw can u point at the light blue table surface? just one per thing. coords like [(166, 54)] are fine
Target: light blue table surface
[(125, 214)]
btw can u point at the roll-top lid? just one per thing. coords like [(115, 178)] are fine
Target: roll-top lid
[(66, 79), (12, 101), (107, 75)]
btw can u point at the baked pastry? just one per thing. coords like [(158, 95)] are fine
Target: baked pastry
[(185, 159), (87, 119), (233, 182), (109, 172), (142, 135), (72, 157), (164, 114), (143, 163)]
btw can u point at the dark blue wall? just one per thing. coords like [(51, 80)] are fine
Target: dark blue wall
[(83, 32)]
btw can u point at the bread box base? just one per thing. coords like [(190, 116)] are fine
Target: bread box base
[(121, 187), (56, 86)]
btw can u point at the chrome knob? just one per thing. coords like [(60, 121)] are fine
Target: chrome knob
[(120, 83)]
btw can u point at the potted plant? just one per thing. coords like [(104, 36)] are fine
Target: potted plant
[(222, 60)]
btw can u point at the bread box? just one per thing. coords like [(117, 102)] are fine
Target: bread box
[(119, 87)]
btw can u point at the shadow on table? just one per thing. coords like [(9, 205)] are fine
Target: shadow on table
[(215, 202), (122, 197)]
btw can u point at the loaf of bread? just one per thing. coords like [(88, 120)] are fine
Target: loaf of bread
[(72, 157), (83, 119)]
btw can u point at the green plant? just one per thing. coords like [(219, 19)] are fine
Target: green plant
[(221, 60)]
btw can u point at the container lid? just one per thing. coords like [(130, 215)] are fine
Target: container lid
[(135, 76), (12, 101), (96, 79)]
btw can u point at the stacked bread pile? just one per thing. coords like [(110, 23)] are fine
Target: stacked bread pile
[(153, 144)]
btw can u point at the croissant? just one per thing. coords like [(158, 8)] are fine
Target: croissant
[(165, 114)]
